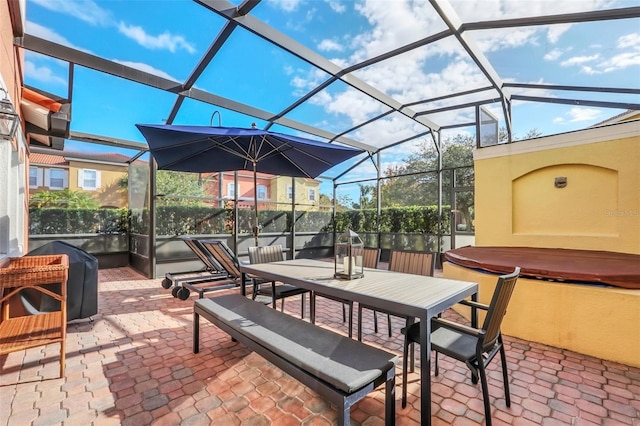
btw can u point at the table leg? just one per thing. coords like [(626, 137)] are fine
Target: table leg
[(312, 307), (425, 371), (474, 312), (243, 281)]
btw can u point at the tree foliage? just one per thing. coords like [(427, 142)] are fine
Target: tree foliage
[(64, 198), (415, 183), (178, 188)]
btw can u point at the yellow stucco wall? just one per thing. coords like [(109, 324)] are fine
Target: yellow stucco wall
[(302, 186), (599, 321), (518, 204), (109, 193)]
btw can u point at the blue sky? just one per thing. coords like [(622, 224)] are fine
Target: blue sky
[(168, 38)]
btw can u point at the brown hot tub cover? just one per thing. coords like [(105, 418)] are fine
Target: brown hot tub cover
[(602, 267)]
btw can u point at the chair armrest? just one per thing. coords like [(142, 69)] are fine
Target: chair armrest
[(440, 322), (475, 304)]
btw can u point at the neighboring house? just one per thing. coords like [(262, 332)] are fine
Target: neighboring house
[(47, 172), (100, 175), (307, 193), (273, 192)]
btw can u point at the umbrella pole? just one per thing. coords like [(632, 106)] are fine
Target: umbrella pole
[(256, 227)]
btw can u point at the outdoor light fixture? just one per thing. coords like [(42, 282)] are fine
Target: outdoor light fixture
[(560, 182), (349, 250), (9, 118)]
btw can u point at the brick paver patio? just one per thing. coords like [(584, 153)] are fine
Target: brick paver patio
[(133, 365)]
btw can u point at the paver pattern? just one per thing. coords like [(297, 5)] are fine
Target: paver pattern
[(132, 364)]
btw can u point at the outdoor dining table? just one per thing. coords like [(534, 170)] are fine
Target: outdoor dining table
[(415, 296)]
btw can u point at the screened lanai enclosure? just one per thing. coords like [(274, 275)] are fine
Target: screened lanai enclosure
[(417, 85)]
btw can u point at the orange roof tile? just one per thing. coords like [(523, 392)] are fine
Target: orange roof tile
[(48, 159)]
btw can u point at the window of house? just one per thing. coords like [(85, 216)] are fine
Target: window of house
[(262, 192), (54, 178), (289, 192), (35, 177), (89, 179), (231, 189), (312, 194)]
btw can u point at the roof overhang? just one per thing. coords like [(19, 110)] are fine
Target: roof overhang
[(47, 118)]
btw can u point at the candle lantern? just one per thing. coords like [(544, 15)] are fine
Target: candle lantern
[(349, 250)]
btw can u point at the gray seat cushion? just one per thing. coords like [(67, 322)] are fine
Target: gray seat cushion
[(344, 363)]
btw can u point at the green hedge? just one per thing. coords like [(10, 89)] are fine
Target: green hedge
[(195, 220), (77, 221)]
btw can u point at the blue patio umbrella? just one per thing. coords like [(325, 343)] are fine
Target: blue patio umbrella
[(202, 149)]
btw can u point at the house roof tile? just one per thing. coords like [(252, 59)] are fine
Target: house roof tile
[(47, 159)]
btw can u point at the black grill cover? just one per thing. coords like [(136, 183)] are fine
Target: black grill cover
[(82, 286)]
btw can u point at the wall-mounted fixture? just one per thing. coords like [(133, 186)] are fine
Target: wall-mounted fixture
[(9, 118), (560, 182)]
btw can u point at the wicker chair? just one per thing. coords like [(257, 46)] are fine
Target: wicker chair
[(476, 347), (29, 331)]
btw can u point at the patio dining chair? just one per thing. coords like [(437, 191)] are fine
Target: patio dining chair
[(410, 262), (275, 291), (476, 347), (370, 259)]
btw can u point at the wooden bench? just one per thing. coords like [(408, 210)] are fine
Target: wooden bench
[(340, 369)]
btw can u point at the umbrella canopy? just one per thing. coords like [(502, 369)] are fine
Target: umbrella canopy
[(201, 149)]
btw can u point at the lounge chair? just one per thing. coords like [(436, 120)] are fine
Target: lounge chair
[(212, 271), (230, 275)]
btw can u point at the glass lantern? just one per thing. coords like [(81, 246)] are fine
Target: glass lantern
[(349, 250), (9, 118)]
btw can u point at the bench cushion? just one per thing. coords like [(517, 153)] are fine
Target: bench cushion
[(344, 363)]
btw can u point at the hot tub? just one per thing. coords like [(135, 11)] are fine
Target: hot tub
[(568, 265), (580, 300)]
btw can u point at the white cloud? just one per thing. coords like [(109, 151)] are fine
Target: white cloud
[(589, 70), (90, 12), (553, 55), (146, 68), (286, 5), (555, 31), (50, 35), (630, 40), (506, 38), (86, 10), (336, 6), (330, 45), (578, 114), (578, 60), (621, 61), (42, 73), (442, 68), (165, 40)]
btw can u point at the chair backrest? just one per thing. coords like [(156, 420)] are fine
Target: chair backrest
[(412, 262), (498, 307), (371, 257), (266, 254), (224, 256), (203, 254)]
